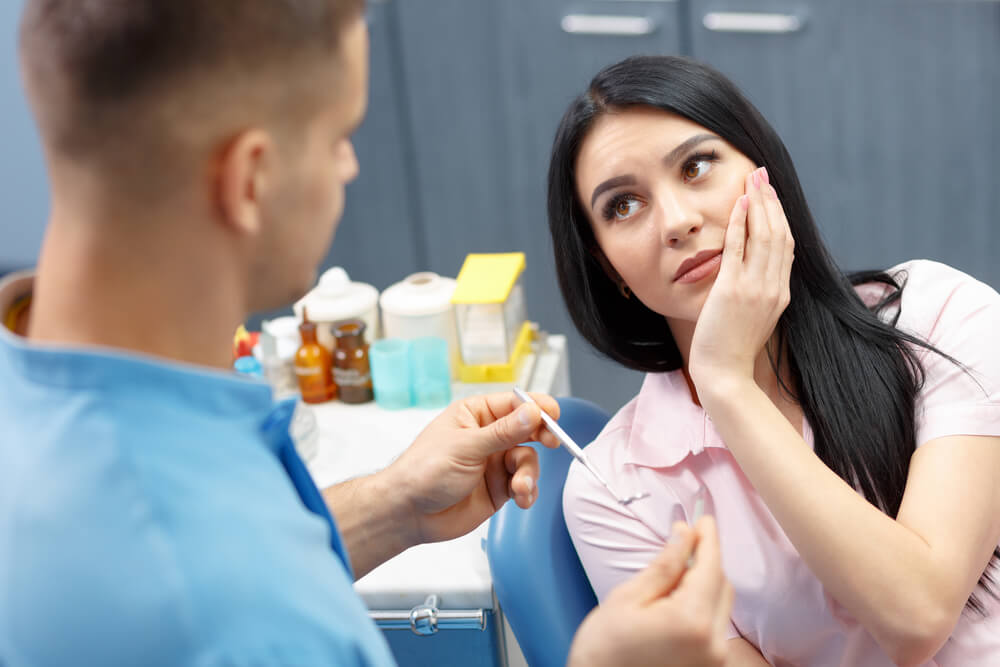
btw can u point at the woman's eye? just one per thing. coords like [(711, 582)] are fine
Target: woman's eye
[(696, 168), (621, 207)]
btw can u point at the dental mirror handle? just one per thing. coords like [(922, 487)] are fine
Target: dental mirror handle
[(566, 441)]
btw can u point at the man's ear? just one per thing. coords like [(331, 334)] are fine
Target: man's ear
[(245, 172)]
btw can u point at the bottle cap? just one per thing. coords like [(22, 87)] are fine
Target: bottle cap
[(247, 366), (307, 327), (349, 328)]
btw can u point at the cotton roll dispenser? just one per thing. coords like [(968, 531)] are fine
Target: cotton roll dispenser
[(420, 306)]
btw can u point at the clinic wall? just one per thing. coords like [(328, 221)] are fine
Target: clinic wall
[(24, 194)]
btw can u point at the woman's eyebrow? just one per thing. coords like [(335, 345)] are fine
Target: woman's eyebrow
[(685, 146), (627, 179)]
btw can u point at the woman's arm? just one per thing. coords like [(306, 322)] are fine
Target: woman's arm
[(906, 580)]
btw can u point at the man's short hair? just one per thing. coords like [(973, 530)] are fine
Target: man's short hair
[(98, 70)]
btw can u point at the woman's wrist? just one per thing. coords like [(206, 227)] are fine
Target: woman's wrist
[(722, 388)]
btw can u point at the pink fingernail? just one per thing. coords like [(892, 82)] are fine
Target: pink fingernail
[(745, 202), (756, 179), (763, 174)]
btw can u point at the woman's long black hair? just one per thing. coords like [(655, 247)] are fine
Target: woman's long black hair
[(854, 374)]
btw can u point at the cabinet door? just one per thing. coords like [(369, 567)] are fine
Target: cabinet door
[(487, 83), (23, 182), (889, 110)]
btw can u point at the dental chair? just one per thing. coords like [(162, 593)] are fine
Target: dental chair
[(539, 582)]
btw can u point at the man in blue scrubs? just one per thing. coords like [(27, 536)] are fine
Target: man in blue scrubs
[(152, 508)]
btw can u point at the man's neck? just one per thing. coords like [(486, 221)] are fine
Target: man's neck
[(138, 285)]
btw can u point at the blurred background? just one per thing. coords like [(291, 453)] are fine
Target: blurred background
[(888, 107)]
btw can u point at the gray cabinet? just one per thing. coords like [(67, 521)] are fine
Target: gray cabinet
[(889, 109)]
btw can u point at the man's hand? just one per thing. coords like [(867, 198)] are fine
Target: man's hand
[(464, 466), (468, 462), (667, 614)]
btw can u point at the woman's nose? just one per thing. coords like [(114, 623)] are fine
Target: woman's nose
[(678, 220)]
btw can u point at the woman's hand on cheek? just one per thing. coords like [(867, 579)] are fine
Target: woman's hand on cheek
[(751, 290)]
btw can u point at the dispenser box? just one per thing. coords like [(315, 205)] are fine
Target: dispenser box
[(493, 331)]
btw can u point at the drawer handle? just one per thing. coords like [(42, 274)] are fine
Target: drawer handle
[(426, 619), (754, 22), (601, 24)]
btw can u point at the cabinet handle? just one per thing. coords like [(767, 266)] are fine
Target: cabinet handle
[(755, 22), (609, 24), (426, 619)]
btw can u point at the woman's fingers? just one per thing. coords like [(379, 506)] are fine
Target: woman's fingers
[(736, 237), (780, 233), (760, 238), (782, 247)]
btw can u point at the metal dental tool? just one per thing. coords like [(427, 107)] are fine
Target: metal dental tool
[(576, 451)]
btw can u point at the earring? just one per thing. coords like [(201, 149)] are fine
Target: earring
[(623, 288)]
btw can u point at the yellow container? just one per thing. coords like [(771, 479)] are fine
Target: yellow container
[(493, 332)]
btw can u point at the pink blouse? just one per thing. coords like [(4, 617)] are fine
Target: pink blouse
[(661, 442)]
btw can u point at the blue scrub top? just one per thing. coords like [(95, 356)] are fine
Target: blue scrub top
[(153, 513)]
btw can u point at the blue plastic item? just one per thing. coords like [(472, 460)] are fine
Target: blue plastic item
[(430, 372), (390, 362), (539, 582), (248, 366)]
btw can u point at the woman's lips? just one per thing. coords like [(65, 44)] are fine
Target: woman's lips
[(700, 266)]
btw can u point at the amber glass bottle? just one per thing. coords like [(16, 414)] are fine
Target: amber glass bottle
[(350, 362), (314, 366)]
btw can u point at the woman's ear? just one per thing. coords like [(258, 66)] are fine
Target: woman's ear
[(245, 172), (605, 265)]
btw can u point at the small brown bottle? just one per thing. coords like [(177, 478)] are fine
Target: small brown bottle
[(314, 366), (350, 362)]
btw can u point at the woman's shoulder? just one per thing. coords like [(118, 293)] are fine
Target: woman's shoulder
[(926, 274), (934, 294)]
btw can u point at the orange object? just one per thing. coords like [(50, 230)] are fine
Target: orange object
[(314, 366), (243, 342)]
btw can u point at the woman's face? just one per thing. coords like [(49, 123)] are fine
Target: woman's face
[(659, 191)]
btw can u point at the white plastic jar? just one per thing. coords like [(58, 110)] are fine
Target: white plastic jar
[(420, 305)]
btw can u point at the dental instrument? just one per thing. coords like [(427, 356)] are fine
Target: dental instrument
[(576, 450)]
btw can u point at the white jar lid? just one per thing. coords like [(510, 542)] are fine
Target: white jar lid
[(422, 293), (285, 331), (337, 298)]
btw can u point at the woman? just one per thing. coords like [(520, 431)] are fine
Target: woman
[(845, 432)]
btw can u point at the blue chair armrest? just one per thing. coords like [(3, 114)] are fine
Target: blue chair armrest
[(537, 576)]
